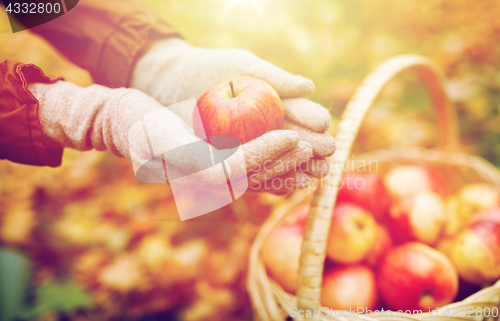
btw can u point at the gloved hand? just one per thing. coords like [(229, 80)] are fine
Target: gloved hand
[(119, 120), (172, 70)]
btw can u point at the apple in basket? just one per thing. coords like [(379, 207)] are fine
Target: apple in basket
[(409, 179), (383, 243), (366, 190), (420, 216), (349, 287), (282, 247), (244, 108), (476, 250), (470, 200), (491, 215), (454, 222), (416, 276), (473, 198), (352, 234)]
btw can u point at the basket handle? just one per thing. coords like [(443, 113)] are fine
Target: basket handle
[(320, 214)]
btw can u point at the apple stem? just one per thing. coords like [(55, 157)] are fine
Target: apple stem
[(232, 88)]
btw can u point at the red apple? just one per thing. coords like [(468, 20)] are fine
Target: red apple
[(416, 276), (382, 244), (298, 216), (410, 179), (420, 217), (244, 108), (349, 287), (476, 252), (282, 248), (366, 190), (352, 234)]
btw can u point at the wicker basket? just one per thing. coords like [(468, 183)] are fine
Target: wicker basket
[(269, 300)]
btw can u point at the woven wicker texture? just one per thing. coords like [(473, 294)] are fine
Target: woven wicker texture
[(270, 301)]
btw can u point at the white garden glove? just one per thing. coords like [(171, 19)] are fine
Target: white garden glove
[(101, 118), (172, 70)]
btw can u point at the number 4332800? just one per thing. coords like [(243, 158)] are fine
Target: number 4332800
[(470, 312), (33, 8)]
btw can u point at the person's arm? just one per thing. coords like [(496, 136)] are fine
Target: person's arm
[(161, 146), (39, 116), (106, 37), (21, 137)]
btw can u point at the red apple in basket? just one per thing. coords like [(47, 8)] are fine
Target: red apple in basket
[(366, 190), (298, 216), (410, 179), (349, 287), (244, 108), (416, 276), (282, 247), (420, 216), (383, 243), (476, 250), (352, 234)]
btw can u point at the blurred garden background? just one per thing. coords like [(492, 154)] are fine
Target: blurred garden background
[(104, 246)]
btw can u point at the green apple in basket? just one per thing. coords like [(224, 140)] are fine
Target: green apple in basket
[(476, 250), (352, 234)]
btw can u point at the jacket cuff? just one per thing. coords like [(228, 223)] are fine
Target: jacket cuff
[(126, 44), (21, 137)]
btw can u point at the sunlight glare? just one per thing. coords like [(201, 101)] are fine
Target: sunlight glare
[(254, 2)]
